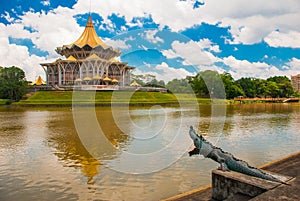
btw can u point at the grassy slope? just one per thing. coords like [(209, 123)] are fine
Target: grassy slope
[(105, 97), (4, 101)]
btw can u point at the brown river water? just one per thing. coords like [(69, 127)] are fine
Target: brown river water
[(140, 154)]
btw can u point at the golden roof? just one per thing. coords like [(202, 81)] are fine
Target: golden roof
[(39, 81), (71, 58), (134, 84), (78, 80), (89, 37), (93, 56), (107, 79), (87, 79), (97, 77)]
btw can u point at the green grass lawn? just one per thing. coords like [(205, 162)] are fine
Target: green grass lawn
[(105, 98), (4, 101)]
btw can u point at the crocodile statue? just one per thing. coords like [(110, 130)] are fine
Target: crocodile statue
[(226, 160)]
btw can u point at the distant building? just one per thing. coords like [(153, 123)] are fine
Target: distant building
[(296, 82), (89, 61), (38, 82)]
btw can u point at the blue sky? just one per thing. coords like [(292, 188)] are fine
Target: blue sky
[(169, 39)]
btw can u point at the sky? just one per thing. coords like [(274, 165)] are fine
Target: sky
[(166, 38)]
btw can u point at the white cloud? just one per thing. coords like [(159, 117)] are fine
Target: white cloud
[(170, 54), (7, 17), (120, 44), (278, 39), (178, 14), (191, 52), (293, 67), (45, 3), (168, 73), (210, 67), (63, 30), (254, 29), (15, 55), (244, 68), (249, 22), (150, 35), (164, 72), (207, 44)]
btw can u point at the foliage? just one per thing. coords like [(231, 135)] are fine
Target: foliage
[(296, 94), (211, 84), (155, 83), (12, 83), (179, 86), (248, 85), (147, 80), (214, 85), (231, 88), (278, 86), (5, 101), (284, 85)]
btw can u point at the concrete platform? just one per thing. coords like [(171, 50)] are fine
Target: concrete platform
[(288, 166)]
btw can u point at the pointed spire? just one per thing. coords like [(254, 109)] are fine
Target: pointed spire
[(90, 7), (89, 36), (90, 22)]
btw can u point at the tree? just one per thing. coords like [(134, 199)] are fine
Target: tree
[(12, 83), (208, 84), (179, 86), (272, 89), (261, 88), (285, 87), (155, 83), (232, 90), (198, 85), (147, 80), (248, 85)]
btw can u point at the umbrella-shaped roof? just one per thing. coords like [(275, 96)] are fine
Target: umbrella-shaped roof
[(78, 80), (89, 37), (107, 79), (87, 79), (97, 77)]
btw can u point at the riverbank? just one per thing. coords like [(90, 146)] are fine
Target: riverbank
[(288, 166), (106, 98)]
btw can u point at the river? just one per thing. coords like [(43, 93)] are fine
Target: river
[(136, 154)]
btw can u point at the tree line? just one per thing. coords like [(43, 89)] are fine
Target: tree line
[(13, 85), (212, 84)]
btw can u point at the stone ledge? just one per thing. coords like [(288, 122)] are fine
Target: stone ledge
[(227, 184)]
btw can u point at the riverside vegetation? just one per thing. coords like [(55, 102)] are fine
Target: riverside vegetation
[(205, 85)]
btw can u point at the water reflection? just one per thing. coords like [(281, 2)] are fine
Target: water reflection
[(12, 124), (70, 150), (43, 158)]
